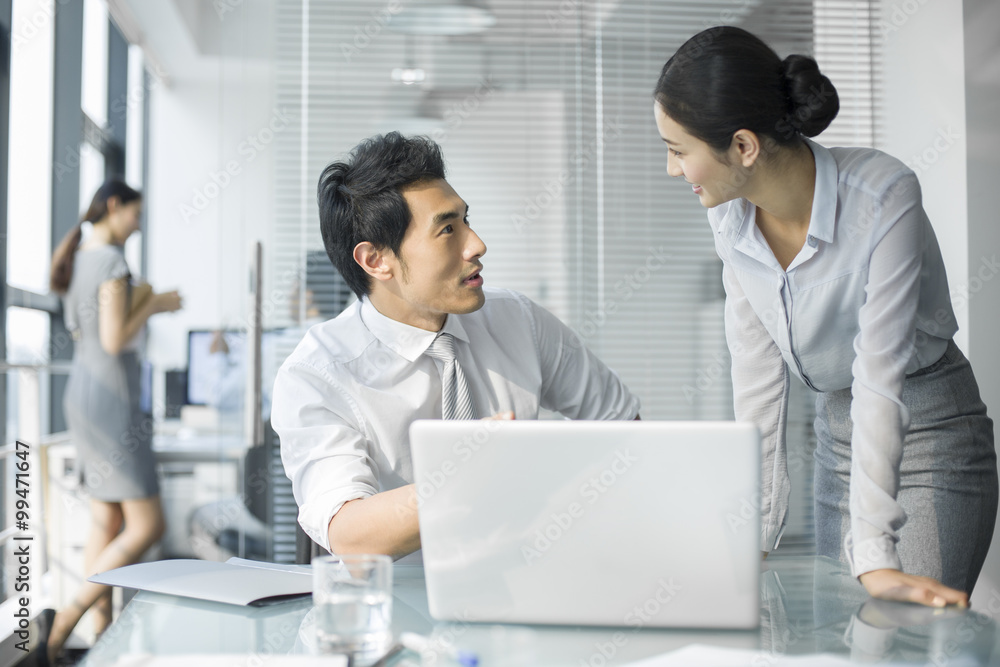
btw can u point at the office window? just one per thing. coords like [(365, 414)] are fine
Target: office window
[(27, 343), (91, 173), (94, 82), (547, 127), (130, 106), (29, 178)]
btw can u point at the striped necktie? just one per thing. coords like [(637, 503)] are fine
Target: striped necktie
[(456, 401)]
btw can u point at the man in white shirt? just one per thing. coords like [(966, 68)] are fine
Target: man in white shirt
[(343, 401)]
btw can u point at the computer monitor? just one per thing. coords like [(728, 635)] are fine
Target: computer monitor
[(200, 376), (204, 373)]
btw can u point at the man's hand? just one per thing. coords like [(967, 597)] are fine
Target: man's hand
[(501, 416), (889, 584)]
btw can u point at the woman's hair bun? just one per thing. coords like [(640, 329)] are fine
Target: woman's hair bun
[(812, 99)]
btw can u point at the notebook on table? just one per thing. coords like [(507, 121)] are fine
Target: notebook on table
[(237, 581)]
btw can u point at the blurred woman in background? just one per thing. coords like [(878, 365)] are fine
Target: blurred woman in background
[(105, 312)]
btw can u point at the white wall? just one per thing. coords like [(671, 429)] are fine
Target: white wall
[(982, 88), (942, 91), (925, 122), (209, 196)]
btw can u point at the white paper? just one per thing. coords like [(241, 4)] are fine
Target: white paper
[(233, 583), (231, 659), (278, 567), (702, 655)]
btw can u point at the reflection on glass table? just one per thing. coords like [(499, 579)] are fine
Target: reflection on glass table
[(808, 606)]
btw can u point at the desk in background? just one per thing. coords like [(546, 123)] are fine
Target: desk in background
[(808, 605), (196, 468)]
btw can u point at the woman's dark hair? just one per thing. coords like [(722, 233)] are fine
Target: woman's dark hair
[(62, 259), (725, 79), (360, 199)]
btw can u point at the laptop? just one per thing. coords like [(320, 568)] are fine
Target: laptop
[(633, 524)]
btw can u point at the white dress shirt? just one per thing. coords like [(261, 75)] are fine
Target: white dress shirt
[(864, 303), (344, 400)]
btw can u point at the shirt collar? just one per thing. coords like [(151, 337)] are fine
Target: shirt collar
[(824, 209), (407, 341), (738, 225)]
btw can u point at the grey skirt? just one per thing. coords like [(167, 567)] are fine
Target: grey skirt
[(113, 437), (947, 476)]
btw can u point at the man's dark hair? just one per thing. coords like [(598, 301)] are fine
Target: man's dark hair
[(360, 199)]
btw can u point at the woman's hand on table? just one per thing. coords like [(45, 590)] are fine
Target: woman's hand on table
[(889, 584)]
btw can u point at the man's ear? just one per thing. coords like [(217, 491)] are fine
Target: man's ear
[(745, 147), (372, 260)]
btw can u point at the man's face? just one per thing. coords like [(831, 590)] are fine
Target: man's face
[(437, 271)]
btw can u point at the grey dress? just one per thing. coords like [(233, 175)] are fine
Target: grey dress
[(112, 435)]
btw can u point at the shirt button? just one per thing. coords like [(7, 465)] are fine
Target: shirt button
[(812, 241)]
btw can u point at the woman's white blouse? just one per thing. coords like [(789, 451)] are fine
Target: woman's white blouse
[(864, 303)]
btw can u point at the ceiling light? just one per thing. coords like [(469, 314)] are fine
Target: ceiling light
[(408, 75)]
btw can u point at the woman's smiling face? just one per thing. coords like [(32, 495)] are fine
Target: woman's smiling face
[(714, 181)]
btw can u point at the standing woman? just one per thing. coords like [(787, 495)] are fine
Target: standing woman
[(111, 434), (832, 272)]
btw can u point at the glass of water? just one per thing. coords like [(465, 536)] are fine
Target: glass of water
[(353, 599)]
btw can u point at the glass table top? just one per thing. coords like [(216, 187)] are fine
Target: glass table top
[(808, 606)]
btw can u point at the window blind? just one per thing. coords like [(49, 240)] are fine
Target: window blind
[(547, 128)]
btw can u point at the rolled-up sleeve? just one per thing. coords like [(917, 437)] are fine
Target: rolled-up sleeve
[(884, 346), (323, 447), (575, 382)]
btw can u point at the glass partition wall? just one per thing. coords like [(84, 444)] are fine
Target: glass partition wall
[(544, 112), (225, 114)]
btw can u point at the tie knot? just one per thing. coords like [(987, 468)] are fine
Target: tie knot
[(442, 347)]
